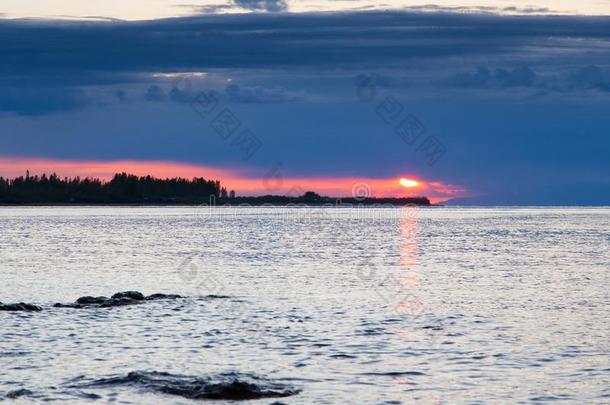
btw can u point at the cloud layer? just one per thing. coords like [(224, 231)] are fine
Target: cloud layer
[(58, 59), (519, 103), (289, 40)]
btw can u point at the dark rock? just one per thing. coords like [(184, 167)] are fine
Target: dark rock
[(226, 386), (21, 306), (60, 305), (163, 297), (134, 295), (91, 300), (119, 299), (18, 393), (118, 302)]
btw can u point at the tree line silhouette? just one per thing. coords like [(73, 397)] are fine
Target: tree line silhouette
[(122, 189), (126, 188)]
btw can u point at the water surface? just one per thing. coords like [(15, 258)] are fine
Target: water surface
[(414, 305)]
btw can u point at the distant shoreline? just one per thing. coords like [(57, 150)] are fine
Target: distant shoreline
[(130, 190), (277, 201)]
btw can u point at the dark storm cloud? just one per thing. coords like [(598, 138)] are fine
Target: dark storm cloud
[(485, 77), (94, 49), (232, 93), (120, 95), (590, 77), (260, 94), (584, 78), (154, 93), (50, 55)]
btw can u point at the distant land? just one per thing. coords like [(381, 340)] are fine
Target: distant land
[(128, 189)]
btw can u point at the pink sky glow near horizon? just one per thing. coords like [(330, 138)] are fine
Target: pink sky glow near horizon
[(245, 183)]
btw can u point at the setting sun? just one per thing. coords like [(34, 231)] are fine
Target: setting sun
[(408, 182)]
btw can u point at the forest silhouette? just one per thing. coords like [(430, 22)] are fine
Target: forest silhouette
[(126, 188), (123, 188)]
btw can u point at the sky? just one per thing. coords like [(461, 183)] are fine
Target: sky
[(492, 103), (152, 9)]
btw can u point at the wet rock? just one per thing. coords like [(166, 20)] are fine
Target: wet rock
[(162, 297), (134, 295), (91, 300), (119, 299), (60, 305), (18, 393), (118, 302), (21, 306), (226, 386)]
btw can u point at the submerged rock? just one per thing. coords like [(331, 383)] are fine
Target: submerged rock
[(18, 393), (117, 300), (21, 306), (162, 297), (226, 386), (216, 296)]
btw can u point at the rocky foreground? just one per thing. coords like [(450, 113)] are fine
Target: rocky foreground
[(117, 300), (226, 386), (21, 306)]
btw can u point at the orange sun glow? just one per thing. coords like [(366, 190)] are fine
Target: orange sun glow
[(408, 183)]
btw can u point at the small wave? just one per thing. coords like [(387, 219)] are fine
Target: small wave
[(13, 353), (225, 386), (215, 297), (433, 327), (342, 356), (395, 373), (373, 331)]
